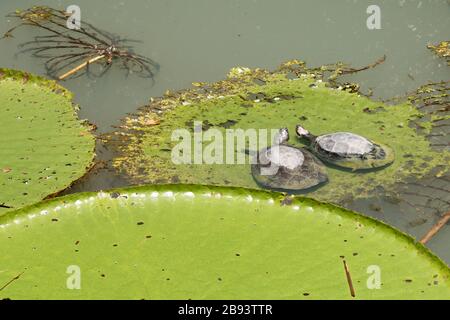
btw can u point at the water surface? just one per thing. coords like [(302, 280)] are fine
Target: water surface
[(201, 40)]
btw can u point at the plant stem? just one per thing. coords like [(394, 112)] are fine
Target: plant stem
[(435, 228), (81, 66), (12, 280), (349, 279)]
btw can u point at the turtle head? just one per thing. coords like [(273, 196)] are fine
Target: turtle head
[(282, 136), (302, 133)]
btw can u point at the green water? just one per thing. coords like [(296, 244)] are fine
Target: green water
[(201, 40)]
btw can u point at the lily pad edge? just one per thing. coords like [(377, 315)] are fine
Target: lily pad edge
[(278, 197), (38, 80)]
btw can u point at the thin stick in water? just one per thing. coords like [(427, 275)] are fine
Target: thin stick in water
[(81, 66), (435, 228)]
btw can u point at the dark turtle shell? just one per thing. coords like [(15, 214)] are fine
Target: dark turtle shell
[(289, 168), (352, 151)]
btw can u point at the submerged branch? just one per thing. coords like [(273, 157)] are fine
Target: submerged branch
[(65, 48), (370, 66)]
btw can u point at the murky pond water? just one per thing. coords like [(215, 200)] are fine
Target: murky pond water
[(201, 40)]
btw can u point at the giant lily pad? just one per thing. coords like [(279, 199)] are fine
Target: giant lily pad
[(257, 99), (194, 242), (43, 145)]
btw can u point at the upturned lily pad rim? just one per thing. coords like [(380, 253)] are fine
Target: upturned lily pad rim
[(278, 197), (17, 74)]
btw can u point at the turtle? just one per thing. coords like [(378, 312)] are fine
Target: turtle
[(285, 167), (348, 150)]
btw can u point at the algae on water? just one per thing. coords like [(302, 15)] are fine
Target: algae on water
[(259, 99), (442, 49)]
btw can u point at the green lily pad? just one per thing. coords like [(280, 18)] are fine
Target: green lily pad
[(44, 147), (257, 99), (198, 242)]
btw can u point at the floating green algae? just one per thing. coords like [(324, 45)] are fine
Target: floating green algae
[(442, 49), (257, 99), (44, 147)]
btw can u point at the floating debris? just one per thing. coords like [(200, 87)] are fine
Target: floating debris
[(442, 50), (71, 52)]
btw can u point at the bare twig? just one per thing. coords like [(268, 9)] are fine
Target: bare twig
[(81, 66), (12, 280), (435, 228), (349, 279), (370, 66)]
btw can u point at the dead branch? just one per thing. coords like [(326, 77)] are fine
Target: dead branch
[(435, 228), (66, 48), (349, 279)]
